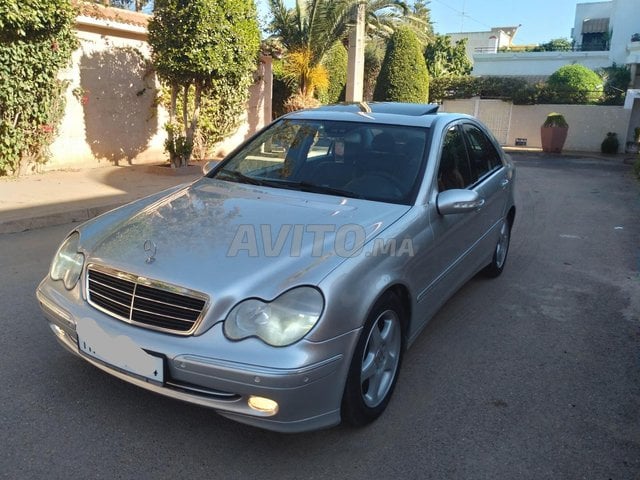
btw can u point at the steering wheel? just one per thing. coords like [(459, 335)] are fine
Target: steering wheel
[(372, 182)]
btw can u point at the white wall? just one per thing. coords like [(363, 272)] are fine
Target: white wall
[(588, 124), (535, 63), (625, 22), (586, 11)]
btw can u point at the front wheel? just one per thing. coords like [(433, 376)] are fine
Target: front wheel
[(496, 266), (375, 363)]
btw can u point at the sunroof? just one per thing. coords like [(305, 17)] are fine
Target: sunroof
[(412, 109)]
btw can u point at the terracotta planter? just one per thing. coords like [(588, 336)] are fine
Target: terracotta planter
[(553, 138)]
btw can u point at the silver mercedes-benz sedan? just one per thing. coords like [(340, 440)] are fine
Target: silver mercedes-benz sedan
[(282, 288)]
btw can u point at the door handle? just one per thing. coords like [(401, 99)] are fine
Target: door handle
[(504, 182)]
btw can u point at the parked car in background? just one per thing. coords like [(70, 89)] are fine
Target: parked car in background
[(282, 288)]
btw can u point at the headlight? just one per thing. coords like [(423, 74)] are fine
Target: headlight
[(281, 322), (68, 262)]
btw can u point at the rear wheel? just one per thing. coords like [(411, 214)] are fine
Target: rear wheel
[(375, 363), (496, 266)]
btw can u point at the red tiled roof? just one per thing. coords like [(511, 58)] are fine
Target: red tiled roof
[(112, 14)]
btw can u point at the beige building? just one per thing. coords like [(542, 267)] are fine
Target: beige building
[(112, 114)]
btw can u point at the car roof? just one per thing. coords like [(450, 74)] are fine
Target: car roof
[(391, 113)]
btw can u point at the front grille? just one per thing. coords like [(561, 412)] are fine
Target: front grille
[(144, 302)]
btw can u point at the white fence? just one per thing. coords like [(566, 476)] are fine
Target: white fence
[(520, 124)]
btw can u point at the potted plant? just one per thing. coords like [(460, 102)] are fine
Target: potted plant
[(610, 144), (635, 37), (554, 133)]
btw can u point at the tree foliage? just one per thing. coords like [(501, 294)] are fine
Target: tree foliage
[(447, 59), (201, 46), (575, 84), (403, 76), (307, 32), (383, 17), (36, 41), (335, 63), (616, 82), (555, 45), (373, 57)]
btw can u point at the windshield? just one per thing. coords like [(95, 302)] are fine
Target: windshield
[(359, 160)]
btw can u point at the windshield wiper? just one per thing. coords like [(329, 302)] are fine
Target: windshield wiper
[(312, 187), (240, 177)]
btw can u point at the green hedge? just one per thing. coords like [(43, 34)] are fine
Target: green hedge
[(560, 90)]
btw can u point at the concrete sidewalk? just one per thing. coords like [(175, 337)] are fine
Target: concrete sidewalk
[(59, 197), (64, 196)]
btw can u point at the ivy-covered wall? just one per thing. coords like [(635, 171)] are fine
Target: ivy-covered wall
[(36, 41)]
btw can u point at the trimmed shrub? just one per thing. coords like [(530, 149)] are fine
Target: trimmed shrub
[(404, 76), (335, 62), (575, 84)]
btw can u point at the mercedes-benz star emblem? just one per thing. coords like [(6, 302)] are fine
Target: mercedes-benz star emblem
[(150, 249)]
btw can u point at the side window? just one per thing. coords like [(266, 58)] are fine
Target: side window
[(483, 155), (454, 170)]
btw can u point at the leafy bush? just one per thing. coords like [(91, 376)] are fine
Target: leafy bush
[(575, 84), (282, 90), (373, 58), (505, 88), (36, 41), (447, 59), (202, 46), (335, 62), (636, 167), (555, 45), (404, 76), (610, 144), (616, 81)]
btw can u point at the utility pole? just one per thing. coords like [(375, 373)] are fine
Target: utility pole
[(355, 65)]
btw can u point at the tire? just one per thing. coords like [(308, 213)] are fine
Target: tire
[(375, 364), (494, 269)]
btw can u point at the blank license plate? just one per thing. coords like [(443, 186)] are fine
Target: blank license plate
[(117, 350)]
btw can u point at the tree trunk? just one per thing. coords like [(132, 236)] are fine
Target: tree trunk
[(193, 124), (186, 153), (172, 120)]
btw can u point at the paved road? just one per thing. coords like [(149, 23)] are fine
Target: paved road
[(533, 375)]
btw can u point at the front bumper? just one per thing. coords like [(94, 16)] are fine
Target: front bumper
[(305, 379)]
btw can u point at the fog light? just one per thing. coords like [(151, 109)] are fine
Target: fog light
[(263, 405)]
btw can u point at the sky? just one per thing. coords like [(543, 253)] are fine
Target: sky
[(540, 20)]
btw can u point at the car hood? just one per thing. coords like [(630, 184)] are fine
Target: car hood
[(235, 240)]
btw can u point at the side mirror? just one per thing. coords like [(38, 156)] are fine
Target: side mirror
[(458, 201), (210, 165)]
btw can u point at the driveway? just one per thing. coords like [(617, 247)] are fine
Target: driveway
[(532, 375)]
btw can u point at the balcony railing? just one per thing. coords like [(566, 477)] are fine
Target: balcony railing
[(593, 47)]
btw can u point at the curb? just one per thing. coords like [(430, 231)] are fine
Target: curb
[(57, 218)]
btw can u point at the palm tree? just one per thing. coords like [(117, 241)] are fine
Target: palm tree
[(309, 29), (385, 16), (307, 32)]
